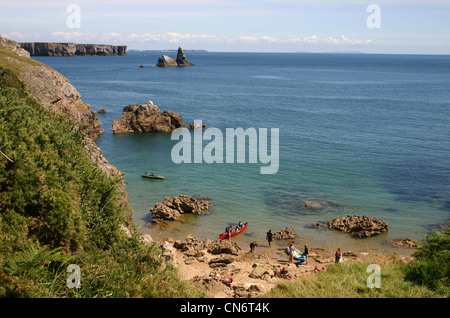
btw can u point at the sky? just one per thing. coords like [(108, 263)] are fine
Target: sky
[(369, 26)]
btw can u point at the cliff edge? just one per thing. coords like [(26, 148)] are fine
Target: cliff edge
[(55, 93), (72, 49)]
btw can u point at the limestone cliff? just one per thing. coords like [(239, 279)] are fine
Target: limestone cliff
[(72, 49)]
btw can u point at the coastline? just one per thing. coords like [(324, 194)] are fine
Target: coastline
[(256, 274)]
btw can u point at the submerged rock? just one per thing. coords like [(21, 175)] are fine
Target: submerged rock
[(359, 226), (171, 208), (146, 118), (403, 242)]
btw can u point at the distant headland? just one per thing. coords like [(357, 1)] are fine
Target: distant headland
[(72, 49)]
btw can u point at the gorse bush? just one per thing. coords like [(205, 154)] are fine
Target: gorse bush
[(56, 207), (432, 267), (52, 181)]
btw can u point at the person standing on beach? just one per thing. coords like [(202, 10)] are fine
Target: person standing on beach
[(269, 237), (306, 253), (291, 252), (338, 256), (253, 245)]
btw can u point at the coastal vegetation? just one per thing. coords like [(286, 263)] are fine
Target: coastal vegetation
[(58, 208), (428, 276)]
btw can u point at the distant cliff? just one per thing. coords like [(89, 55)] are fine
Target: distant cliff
[(72, 49)]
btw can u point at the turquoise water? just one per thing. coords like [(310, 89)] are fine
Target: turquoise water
[(361, 134)]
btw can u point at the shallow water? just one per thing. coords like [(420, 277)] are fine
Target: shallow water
[(360, 133)]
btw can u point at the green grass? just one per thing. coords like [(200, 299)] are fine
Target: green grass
[(349, 280)]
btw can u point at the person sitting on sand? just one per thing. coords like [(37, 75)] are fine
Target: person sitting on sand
[(284, 273), (319, 270)]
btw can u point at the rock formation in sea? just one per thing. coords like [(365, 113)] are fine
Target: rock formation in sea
[(167, 61), (146, 118), (72, 49), (56, 94), (359, 226), (171, 208), (285, 234)]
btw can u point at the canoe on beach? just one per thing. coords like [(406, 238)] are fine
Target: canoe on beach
[(152, 176), (298, 256), (224, 235)]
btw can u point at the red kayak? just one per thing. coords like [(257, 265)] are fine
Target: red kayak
[(224, 235)]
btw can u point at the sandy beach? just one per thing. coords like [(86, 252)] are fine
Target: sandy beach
[(236, 273)]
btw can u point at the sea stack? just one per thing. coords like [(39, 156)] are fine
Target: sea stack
[(167, 61), (181, 58)]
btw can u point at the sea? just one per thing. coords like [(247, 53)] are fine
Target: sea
[(358, 134)]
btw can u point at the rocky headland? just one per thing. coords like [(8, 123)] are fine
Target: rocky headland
[(167, 61), (72, 49)]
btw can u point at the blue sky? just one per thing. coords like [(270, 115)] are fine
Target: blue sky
[(406, 26)]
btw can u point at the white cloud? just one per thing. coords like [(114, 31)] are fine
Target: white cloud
[(188, 38)]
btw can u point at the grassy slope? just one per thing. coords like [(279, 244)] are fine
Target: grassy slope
[(57, 208), (349, 280)]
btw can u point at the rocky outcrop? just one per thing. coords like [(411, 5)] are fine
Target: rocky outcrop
[(167, 61), (181, 58), (56, 94), (403, 242), (72, 49), (146, 118), (171, 208), (286, 234), (359, 226), (51, 89)]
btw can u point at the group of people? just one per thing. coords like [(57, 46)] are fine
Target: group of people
[(291, 249), (232, 228)]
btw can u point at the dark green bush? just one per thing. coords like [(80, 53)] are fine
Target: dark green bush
[(432, 266)]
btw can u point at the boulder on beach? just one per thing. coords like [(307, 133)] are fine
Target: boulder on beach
[(171, 208), (359, 226), (146, 118)]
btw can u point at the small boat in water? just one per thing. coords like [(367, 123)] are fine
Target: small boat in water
[(224, 235), (151, 176)]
